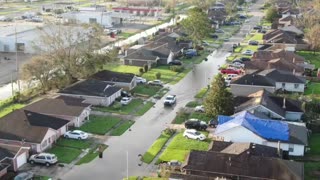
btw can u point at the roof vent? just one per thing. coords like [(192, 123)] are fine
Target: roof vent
[(29, 114)]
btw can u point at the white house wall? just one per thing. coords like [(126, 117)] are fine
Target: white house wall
[(290, 87), (298, 150), (240, 134), (294, 116)]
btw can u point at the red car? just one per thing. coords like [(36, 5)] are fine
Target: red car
[(230, 71)]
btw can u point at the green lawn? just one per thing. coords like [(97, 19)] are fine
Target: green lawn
[(180, 76), (201, 93), (92, 154), (118, 131), (161, 93), (65, 154), (200, 116), (123, 68), (121, 109), (166, 74), (309, 168), (180, 146), (311, 57), (125, 34), (155, 148), (181, 117), (312, 88), (193, 104), (255, 37), (10, 108), (79, 144), (245, 47), (100, 124), (146, 90), (144, 108), (314, 144)]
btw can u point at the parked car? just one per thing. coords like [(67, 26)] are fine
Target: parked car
[(76, 134), (175, 164), (226, 39), (219, 31), (237, 60), (214, 36), (170, 100), (140, 80), (43, 158), (24, 176), (243, 59), (263, 31), (232, 75), (242, 17), (248, 52), (195, 124), (237, 64), (125, 94), (108, 31), (175, 62), (205, 43), (199, 108), (125, 100), (257, 27), (253, 43), (190, 52), (155, 83), (213, 123), (230, 71), (193, 134)]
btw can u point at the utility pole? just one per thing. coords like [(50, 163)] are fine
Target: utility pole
[(17, 63)]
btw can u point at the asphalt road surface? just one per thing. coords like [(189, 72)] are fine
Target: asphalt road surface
[(121, 157)]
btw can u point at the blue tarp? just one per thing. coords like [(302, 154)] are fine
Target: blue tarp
[(265, 128)]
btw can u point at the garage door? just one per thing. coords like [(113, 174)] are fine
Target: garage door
[(21, 159)]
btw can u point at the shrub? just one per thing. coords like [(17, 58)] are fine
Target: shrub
[(177, 68), (117, 105), (146, 67), (158, 75), (141, 71)]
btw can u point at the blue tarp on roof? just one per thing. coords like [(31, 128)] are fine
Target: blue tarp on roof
[(265, 128)]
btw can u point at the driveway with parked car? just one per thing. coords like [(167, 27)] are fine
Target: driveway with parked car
[(122, 156)]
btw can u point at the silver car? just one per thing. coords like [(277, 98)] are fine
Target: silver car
[(44, 158)]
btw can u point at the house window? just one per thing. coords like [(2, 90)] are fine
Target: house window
[(291, 148), (283, 85), (92, 20), (296, 86)]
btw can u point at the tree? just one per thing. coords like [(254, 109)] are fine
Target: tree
[(146, 68), (219, 100), (312, 35), (271, 14), (197, 25), (39, 69), (202, 4)]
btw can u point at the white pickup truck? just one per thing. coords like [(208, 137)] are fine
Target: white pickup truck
[(170, 100)]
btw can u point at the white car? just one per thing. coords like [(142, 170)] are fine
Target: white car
[(125, 100), (248, 52), (141, 80), (199, 108), (76, 134), (194, 134), (155, 83), (237, 64), (43, 158)]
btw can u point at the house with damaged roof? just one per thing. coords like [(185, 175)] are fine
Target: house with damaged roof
[(271, 80), (265, 105), (245, 127)]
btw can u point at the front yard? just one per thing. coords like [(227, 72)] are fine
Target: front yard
[(8, 109), (100, 124), (312, 89), (311, 57), (116, 107), (313, 168), (118, 131), (65, 154), (180, 146), (92, 154), (146, 90)]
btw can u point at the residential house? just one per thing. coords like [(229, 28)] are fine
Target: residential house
[(14, 156), (244, 166), (285, 21), (139, 11), (123, 80), (270, 80), (245, 127), (263, 104), (289, 39), (65, 107), (31, 129), (245, 148), (217, 16), (93, 92), (292, 29), (290, 56)]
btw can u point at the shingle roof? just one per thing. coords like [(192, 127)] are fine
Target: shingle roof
[(220, 164), (279, 53), (4, 153), (280, 76), (280, 36), (29, 126), (66, 106), (91, 87), (106, 75)]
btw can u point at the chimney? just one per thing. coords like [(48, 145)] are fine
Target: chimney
[(294, 60), (284, 103), (125, 53), (278, 149), (294, 71)]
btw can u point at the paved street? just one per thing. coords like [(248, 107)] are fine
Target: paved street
[(116, 164)]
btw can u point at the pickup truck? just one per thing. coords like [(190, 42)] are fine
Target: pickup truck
[(170, 100)]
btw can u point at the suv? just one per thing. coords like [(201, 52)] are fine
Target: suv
[(253, 43), (125, 94), (155, 83), (195, 124), (213, 123), (44, 158), (175, 62), (194, 134), (170, 100)]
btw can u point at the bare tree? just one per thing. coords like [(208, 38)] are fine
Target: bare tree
[(312, 35)]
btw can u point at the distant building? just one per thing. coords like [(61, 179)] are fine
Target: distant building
[(139, 11)]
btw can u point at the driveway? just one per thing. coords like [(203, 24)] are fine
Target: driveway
[(121, 158)]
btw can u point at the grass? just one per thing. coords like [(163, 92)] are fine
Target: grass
[(309, 168), (181, 117), (8, 109), (311, 57), (92, 154), (155, 148), (78, 144), (179, 76), (123, 68), (146, 90), (254, 37), (201, 93), (145, 107), (246, 47), (200, 116), (161, 93), (312, 88), (126, 34), (193, 104), (65, 154), (314, 143), (118, 131), (100, 124), (122, 109), (166, 74), (180, 146)]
